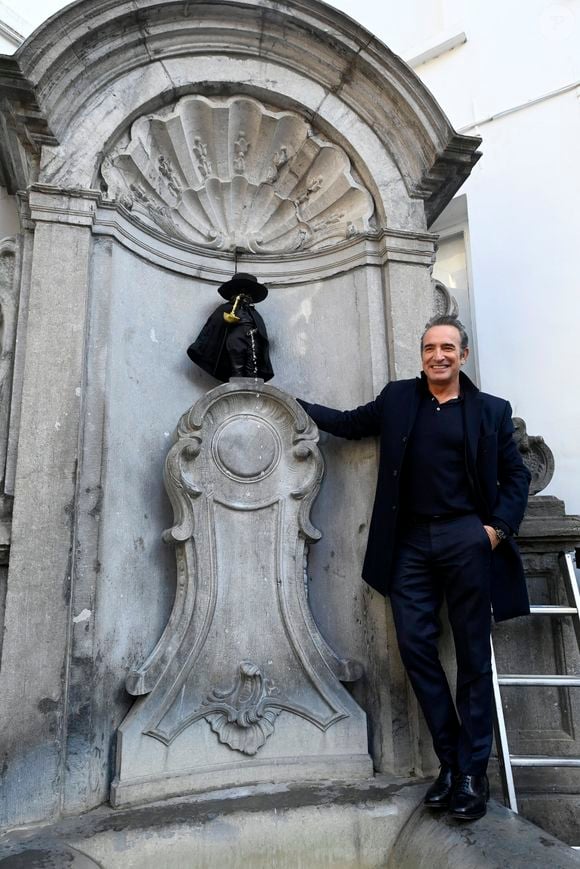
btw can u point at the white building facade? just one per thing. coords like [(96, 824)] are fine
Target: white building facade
[(510, 73)]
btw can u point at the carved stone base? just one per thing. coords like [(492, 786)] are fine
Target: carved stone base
[(241, 688)]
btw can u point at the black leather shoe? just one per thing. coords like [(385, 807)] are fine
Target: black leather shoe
[(437, 797), (469, 797)]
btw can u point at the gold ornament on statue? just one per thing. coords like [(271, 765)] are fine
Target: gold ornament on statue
[(231, 316)]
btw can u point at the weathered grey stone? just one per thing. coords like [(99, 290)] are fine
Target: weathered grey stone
[(22, 293), (232, 174), (241, 655), (9, 261), (9, 268), (354, 73), (445, 302), (558, 813), (547, 529), (35, 649), (23, 128), (537, 456), (501, 840), (342, 825), (108, 305)]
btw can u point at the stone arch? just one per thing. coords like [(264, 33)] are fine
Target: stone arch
[(278, 102), (306, 53)]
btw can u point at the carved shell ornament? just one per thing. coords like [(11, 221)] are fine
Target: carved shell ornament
[(232, 173)]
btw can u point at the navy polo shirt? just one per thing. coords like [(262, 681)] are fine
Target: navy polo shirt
[(434, 478)]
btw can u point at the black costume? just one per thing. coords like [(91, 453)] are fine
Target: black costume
[(424, 545), (235, 349)]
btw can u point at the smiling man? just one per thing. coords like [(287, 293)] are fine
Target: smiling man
[(451, 493)]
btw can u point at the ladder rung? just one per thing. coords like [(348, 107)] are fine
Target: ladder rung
[(506, 761), (557, 681), (523, 760)]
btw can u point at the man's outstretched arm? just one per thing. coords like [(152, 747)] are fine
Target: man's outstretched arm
[(363, 421)]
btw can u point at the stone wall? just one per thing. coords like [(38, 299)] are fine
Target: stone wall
[(141, 135)]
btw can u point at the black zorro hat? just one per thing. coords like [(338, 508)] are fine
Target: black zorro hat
[(243, 283)]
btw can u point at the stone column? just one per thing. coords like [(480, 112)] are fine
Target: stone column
[(34, 673), (410, 298), (398, 744), (9, 268)]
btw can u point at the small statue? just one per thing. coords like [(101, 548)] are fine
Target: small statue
[(234, 341)]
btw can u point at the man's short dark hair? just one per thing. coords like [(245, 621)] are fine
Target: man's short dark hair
[(447, 320)]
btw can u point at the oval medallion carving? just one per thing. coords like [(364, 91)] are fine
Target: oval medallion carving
[(246, 448)]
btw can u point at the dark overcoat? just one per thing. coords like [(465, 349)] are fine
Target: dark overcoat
[(209, 348), (497, 475)]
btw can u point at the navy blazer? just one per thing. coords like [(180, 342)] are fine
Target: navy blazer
[(499, 479)]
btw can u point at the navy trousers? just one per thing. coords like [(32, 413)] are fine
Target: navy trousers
[(448, 558)]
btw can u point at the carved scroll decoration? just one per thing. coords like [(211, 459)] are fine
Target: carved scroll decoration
[(225, 173), (243, 716), (444, 302), (537, 456)]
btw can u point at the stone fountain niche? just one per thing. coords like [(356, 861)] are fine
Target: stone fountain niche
[(241, 687), (151, 145), (154, 144)]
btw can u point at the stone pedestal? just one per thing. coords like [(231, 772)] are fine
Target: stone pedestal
[(242, 687)]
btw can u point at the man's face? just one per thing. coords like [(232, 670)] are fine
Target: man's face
[(441, 355)]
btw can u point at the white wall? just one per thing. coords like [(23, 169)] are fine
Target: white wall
[(21, 17), (525, 227), (12, 28), (523, 197), (524, 212)]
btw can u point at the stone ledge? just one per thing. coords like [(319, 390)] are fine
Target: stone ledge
[(501, 840), (362, 825)]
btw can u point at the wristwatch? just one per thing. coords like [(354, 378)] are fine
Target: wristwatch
[(501, 535)]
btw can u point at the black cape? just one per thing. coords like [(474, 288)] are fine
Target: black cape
[(209, 348)]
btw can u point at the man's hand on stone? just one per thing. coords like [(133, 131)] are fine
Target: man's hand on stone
[(493, 538)]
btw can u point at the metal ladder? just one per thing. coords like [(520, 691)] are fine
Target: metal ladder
[(508, 761)]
